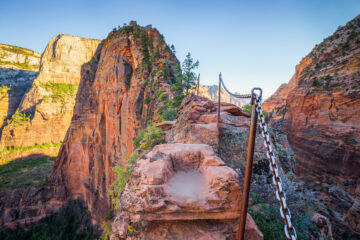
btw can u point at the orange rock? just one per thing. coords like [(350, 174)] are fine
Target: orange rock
[(181, 185)]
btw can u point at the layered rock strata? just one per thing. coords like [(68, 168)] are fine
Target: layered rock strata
[(18, 69), (114, 101), (48, 104), (320, 109)]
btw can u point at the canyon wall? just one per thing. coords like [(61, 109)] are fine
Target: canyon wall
[(45, 111), (18, 69), (319, 110)]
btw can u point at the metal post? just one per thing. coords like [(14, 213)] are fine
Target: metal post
[(219, 93), (248, 169)]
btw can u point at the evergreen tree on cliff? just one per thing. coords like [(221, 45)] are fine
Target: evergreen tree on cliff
[(189, 76)]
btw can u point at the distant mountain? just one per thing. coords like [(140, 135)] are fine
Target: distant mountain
[(18, 58), (18, 69), (212, 91)]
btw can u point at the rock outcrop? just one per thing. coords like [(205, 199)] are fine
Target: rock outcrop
[(320, 108), (110, 109), (183, 189), (48, 104)]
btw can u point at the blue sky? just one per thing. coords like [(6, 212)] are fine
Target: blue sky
[(253, 43)]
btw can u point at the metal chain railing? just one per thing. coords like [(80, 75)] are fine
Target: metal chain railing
[(289, 229), (233, 94)]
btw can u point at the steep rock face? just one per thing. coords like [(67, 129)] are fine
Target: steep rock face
[(13, 86), (49, 103), (321, 117), (278, 99), (110, 108), (18, 68), (109, 111)]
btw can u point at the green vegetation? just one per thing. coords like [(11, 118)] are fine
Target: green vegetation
[(23, 66), (18, 119), (270, 223), (106, 226), (73, 222), (281, 111), (180, 86), (323, 82), (247, 109), (188, 76), (60, 91), (149, 137), (18, 50), (25, 172), (4, 91), (146, 140), (13, 149), (123, 176), (315, 82)]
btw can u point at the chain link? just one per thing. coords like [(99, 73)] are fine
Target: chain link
[(289, 229)]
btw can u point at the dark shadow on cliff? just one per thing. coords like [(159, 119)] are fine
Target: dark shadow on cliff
[(71, 222), (18, 83), (30, 171)]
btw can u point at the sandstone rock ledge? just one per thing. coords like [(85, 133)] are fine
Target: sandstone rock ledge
[(182, 191)]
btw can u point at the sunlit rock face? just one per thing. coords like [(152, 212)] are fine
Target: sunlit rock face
[(18, 69), (320, 109), (50, 100), (18, 58), (110, 109)]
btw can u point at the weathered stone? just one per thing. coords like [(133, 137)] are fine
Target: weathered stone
[(319, 109), (50, 107)]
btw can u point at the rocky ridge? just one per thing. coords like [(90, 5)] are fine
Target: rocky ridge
[(17, 58), (319, 110)]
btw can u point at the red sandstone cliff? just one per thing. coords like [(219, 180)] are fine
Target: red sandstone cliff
[(321, 110), (110, 109)]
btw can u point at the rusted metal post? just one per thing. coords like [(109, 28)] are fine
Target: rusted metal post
[(219, 93), (248, 169), (198, 85)]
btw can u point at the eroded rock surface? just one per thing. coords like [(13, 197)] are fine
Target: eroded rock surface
[(49, 102), (319, 110), (18, 69), (183, 189), (188, 183), (111, 107)]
